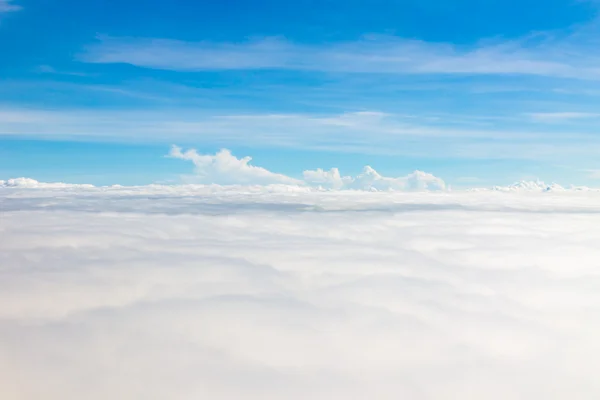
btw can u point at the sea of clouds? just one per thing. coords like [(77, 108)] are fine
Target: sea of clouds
[(286, 292)]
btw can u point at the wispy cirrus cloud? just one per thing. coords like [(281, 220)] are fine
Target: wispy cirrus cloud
[(364, 132), (50, 70), (593, 173), (8, 6), (550, 54), (562, 116)]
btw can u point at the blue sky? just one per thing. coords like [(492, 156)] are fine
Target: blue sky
[(476, 92)]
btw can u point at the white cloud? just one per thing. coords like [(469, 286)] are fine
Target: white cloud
[(561, 116), (538, 186), (549, 54), (49, 69), (328, 179), (370, 179), (7, 6), (531, 186), (281, 129), (372, 132), (223, 168), (128, 293), (418, 180), (33, 184)]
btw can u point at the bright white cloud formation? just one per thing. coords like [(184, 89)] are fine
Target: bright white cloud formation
[(329, 179), (370, 179), (225, 169), (33, 184), (200, 292)]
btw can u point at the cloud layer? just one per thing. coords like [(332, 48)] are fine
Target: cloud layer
[(131, 293)]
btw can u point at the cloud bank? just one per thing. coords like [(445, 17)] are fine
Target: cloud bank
[(131, 293), (224, 168)]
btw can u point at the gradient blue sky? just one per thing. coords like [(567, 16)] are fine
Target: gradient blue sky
[(476, 92)]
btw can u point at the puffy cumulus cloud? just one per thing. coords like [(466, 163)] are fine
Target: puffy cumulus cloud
[(225, 168), (418, 180), (203, 292), (370, 179), (328, 179)]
